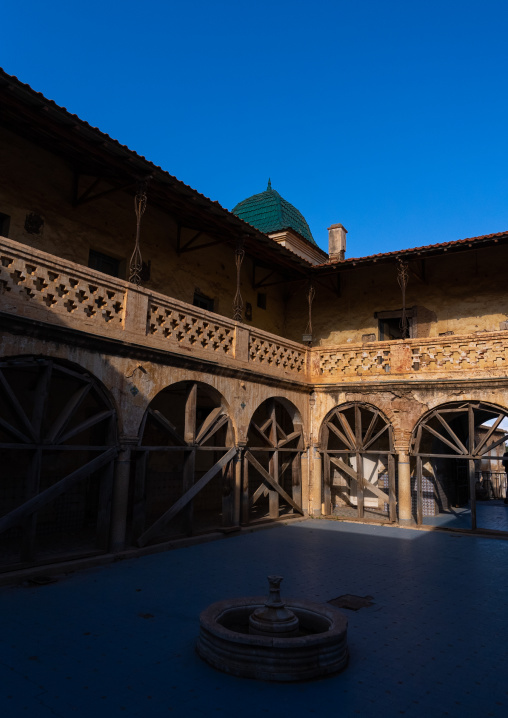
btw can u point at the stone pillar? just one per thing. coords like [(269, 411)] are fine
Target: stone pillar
[(121, 493), (306, 482), (238, 477), (315, 489), (404, 498)]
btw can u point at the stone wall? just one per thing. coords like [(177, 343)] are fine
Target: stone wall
[(461, 293), (43, 186)]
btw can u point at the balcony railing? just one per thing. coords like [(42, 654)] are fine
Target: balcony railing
[(41, 286), (37, 285), (479, 354)]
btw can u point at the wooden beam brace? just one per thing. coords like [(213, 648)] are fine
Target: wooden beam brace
[(493, 446), (182, 502), (489, 433), (207, 423), (214, 429), (92, 421), (341, 436), (289, 438), (17, 406), (50, 494), (444, 440), (167, 425), (376, 437), (371, 428), (262, 282), (270, 481), (87, 196), (66, 413), (261, 433), (354, 475), (451, 432)]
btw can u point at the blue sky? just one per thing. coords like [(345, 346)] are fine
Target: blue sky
[(389, 116)]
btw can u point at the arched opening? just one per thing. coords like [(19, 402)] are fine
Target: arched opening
[(58, 442), (359, 477), (272, 476), (184, 477), (457, 467)]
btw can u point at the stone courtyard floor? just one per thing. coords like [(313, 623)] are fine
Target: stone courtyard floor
[(119, 640)]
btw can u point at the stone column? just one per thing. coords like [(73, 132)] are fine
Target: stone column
[(306, 481), (404, 498), (121, 493), (238, 477), (315, 489)]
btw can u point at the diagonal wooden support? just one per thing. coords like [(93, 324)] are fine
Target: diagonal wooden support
[(354, 475), (182, 502), (37, 502), (376, 437), (17, 406), (444, 440), (69, 409), (87, 424), (270, 481), (168, 426), (450, 431), (208, 422), (213, 429), (341, 436), (261, 433)]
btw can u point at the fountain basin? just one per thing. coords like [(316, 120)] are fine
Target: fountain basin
[(319, 648)]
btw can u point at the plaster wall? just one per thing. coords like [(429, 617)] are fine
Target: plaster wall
[(43, 183), (461, 293)]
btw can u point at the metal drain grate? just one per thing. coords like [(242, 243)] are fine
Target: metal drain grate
[(351, 602)]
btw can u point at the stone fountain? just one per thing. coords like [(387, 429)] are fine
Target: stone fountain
[(272, 640)]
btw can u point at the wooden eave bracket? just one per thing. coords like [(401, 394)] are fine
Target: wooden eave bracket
[(88, 195)]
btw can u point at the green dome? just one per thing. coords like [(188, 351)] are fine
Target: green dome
[(269, 212)]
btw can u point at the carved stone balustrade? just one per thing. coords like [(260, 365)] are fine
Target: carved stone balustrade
[(37, 285), (472, 355)]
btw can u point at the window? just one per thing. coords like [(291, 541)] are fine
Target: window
[(5, 222), (201, 300), (104, 263), (390, 324)]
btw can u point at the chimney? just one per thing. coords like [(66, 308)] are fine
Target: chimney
[(337, 242)]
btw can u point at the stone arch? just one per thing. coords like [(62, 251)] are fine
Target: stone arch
[(359, 476), (272, 474), (58, 443), (448, 445), (184, 465)]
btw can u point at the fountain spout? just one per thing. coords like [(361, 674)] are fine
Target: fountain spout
[(274, 618)]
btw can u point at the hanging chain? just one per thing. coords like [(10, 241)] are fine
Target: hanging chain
[(136, 262), (238, 301), (311, 293), (402, 279)]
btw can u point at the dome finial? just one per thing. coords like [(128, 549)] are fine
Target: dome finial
[(269, 184)]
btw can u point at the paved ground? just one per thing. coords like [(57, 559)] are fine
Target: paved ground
[(489, 515), (119, 640)]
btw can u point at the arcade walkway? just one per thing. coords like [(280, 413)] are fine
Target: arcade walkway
[(119, 640)]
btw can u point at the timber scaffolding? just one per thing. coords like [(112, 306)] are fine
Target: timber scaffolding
[(220, 476), (129, 417)]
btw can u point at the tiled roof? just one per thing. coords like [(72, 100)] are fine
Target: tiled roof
[(416, 252), (269, 212), (81, 133)]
